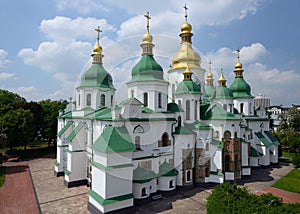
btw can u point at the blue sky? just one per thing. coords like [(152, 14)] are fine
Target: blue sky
[(45, 45)]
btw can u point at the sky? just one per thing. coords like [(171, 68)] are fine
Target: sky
[(46, 45)]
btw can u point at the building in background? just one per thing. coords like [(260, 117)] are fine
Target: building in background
[(261, 100)]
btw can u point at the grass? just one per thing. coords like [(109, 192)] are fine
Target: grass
[(290, 182), (2, 175), (288, 155)]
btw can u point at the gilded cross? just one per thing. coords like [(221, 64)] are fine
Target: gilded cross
[(147, 17), (99, 31), (185, 11), (238, 51)]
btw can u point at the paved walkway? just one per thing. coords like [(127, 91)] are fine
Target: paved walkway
[(287, 197), (17, 193)]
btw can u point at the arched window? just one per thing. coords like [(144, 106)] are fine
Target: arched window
[(235, 135), (171, 185), (179, 103), (227, 163), (88, 99), (102, 100), (207, 172), (137, 142), (159, 100), (195, 110), (187, 110), (207, 147), (227, 134), (188, 176), (144, 192), (165, 139), (145, 99), (111, 100), (78, 99), (250, 108), (230, 108), (241, 107)]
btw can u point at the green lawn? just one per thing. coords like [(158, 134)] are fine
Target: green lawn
[(288, 155), (2, 175), (290, 182)]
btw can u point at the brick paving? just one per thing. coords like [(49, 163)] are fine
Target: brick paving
[(54, 197), (17, 194), (287, 197)]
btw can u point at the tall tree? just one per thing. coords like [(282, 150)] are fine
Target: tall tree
[(17, 126), (50, 113), (9, 101)]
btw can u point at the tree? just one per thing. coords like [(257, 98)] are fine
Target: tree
[(50, 113), (9, 101), (17, 126), (294, 119)]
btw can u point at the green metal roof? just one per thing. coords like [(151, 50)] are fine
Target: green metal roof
[(218, 113), (255, 153), (209, 89), (262, 139), (166, 169), (272, 138), (240, 88), (203, 110), (103, 201), (173, 107), (96, 76), (73, 134), (114, 139), (142, 175), (218, 143), (188, 87), (146, 109), (222, 92), (66, 115), (100, 114), (147, 69), (182, 130), (60, 133)]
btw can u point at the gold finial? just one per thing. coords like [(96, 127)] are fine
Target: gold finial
[(222, 80), (209, 75), (148, 18), (187, 73), (185, 12), (238, 66)]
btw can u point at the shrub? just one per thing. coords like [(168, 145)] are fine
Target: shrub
[(296, 161)]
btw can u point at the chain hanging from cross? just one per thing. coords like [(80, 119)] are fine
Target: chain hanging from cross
[(147, 17)]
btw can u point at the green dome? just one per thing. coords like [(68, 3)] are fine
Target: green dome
[(240, 88), (209, 89), (188, 87), (222, 92), (147, 69), (96, 76)]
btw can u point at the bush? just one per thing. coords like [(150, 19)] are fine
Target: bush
[(296, 161), (229, 198)]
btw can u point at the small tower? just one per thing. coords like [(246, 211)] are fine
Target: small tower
[(147, 83), (96, 89), (243, 100), (222, 94), (209, 88), (188, 95)]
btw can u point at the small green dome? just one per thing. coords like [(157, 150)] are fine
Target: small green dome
[(209, 89), (96, 76), (240, 88), (147, 69), (188, 87), (222, 92)]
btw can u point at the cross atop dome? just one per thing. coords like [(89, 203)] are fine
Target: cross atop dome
[(99, 31), (148, 17), (185, 12)]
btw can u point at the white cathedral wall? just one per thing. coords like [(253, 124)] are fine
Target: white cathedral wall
[(137, 190), (248, 107), (115, 159)]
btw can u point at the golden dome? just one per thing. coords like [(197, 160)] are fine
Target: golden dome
[(147, 37), (222, 78), (186, 55), (97, 48), (186, 27), (209, 75), (238, 65)]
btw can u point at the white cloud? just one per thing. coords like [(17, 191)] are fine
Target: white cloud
[(82, 6), (28, 92), (3, 58), (281, 86), (5, 76)]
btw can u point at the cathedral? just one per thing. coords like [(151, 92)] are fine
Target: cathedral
[(170, 134)]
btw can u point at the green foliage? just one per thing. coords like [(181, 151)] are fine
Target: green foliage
[(9, 101), (2, 175), (229, 198), (50, 114), (296, 161)]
